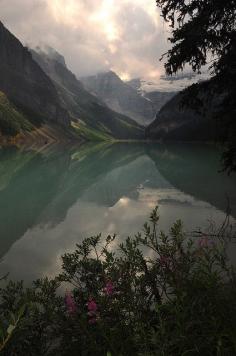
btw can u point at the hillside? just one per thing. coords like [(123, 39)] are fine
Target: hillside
[(11, 120), (177, 122), (25, 83), (90, 115)]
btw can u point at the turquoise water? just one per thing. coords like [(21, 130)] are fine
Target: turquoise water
[(50, 200)]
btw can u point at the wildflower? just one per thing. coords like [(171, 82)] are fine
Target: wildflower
[(109, 288), (92, 320), (92, 306), (204, 242), (92, 311), (70, 303), (164, 261)]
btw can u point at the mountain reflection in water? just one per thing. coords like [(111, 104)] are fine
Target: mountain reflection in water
[(49, 201)]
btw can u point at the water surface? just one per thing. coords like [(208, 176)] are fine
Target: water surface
[(51, 200)]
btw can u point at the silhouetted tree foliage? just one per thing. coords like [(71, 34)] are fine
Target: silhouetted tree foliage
[(203, 32)]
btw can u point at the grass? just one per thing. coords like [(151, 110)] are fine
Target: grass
[(11, 120), (91, 134)]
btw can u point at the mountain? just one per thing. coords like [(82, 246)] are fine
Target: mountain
[(25, 84), (136, 84), (43, 96), (159, 99), (177, 122), (120, 96), (91, 117)]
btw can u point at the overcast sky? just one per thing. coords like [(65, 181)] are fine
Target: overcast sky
[(127, 36)]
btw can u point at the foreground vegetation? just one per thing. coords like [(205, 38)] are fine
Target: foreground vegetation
[(156, 294)]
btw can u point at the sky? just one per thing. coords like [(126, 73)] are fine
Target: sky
[(126, 36)]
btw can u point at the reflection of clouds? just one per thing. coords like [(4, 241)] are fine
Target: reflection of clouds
[(170, 196), (38, 252), (41, 247), (123, 183), (123, 201), (107, 206)]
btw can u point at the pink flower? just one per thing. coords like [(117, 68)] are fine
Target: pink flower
[(70, 303), (92, 306), (164, 261), (92, 311), (92, 320), (109, 288), (204, 242)]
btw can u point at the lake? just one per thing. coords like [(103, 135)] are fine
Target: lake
[(52, 199)]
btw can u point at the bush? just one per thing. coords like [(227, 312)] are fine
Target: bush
[(156, 294)]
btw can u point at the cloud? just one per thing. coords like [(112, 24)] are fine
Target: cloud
[(127, 36)]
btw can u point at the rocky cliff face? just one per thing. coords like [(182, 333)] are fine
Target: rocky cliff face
[(120, 96), (25, 83), (83, 106), (159, 99)]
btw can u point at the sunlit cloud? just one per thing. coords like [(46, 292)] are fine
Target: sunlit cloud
[(124, 76), (64, 11), (104, 19), (127, 36)]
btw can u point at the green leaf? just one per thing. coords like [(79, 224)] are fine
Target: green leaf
[(21, 311), (10, 329), (12, 317)]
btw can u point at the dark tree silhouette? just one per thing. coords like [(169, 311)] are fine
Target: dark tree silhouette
[(204, 32)]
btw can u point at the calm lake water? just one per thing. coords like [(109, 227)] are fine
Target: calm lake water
[(51, 200)]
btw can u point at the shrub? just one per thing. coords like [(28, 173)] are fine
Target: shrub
[(156, 294)]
